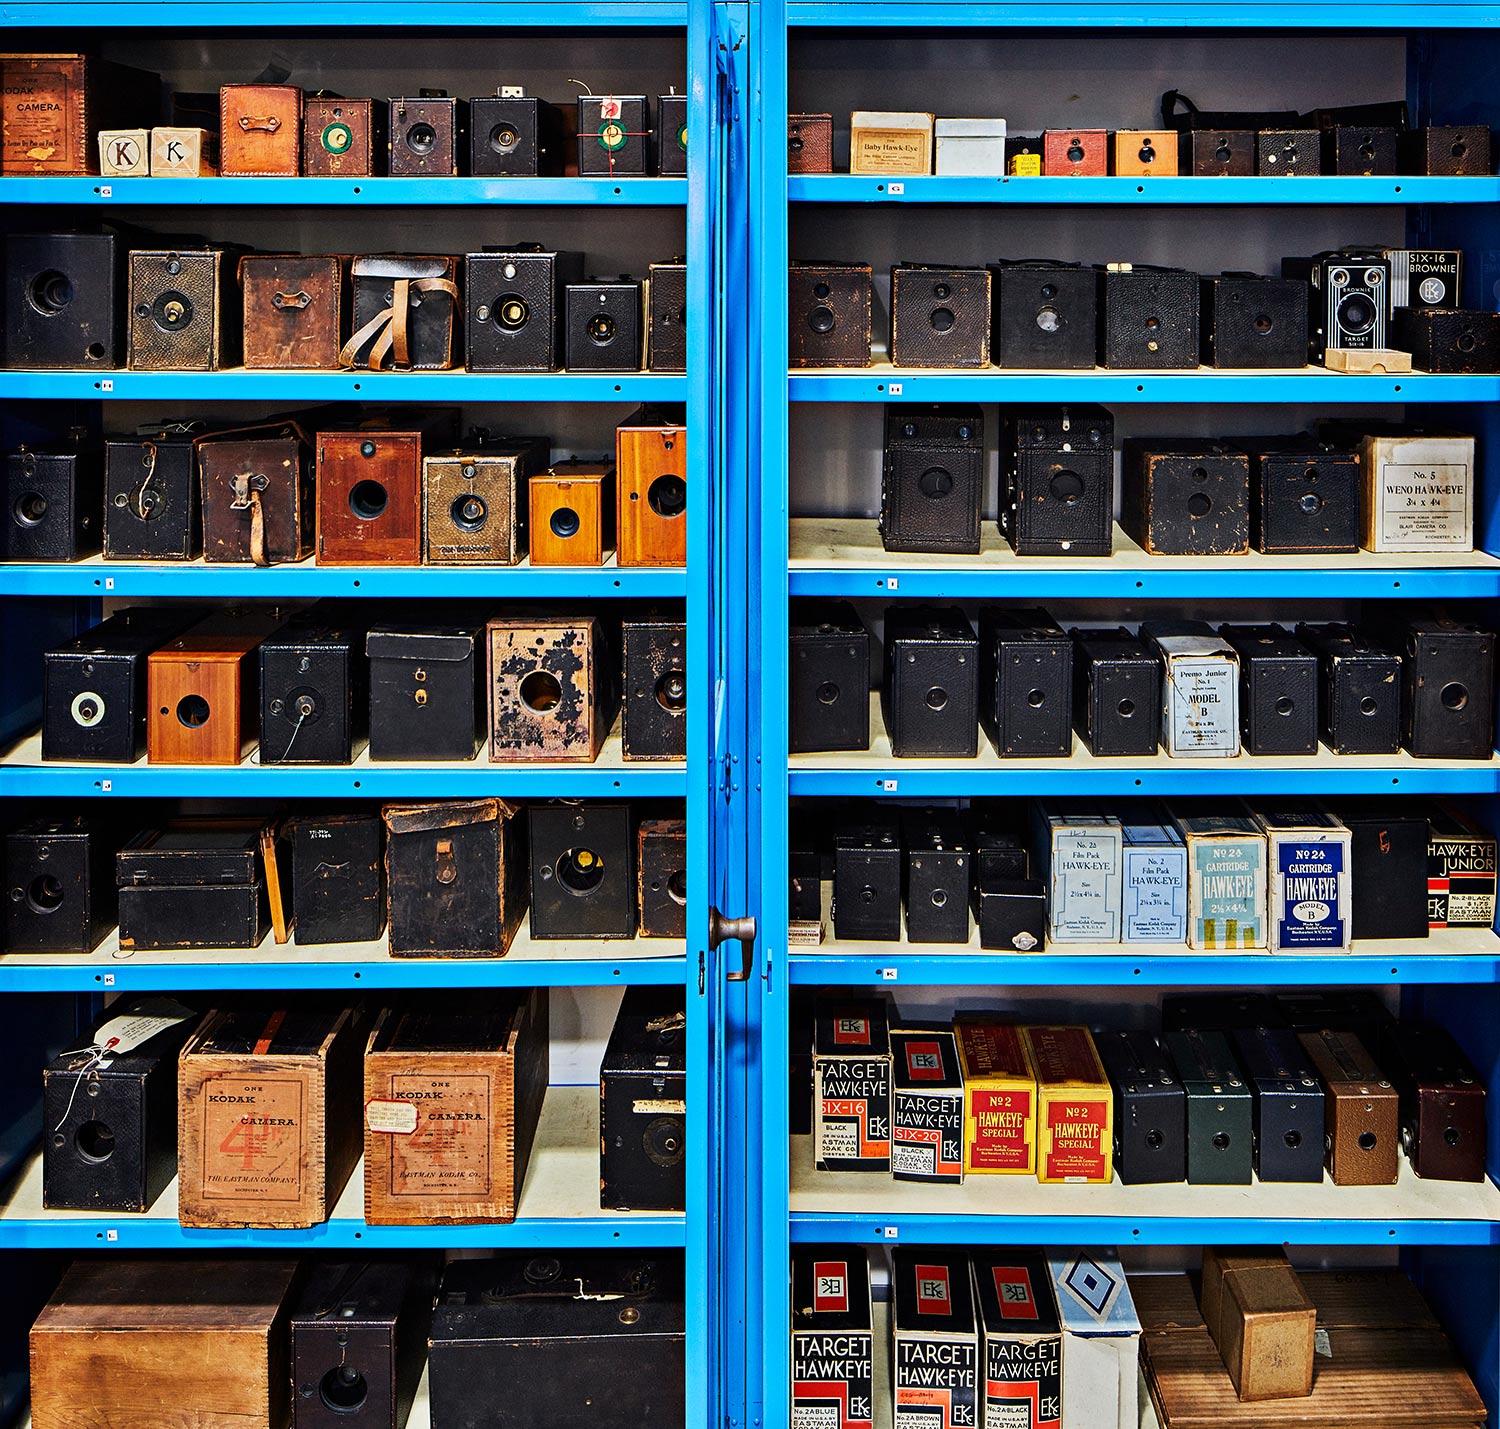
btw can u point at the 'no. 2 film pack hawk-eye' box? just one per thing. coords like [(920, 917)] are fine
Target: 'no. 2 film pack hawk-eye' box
[(1082, 855), (1155, 884)]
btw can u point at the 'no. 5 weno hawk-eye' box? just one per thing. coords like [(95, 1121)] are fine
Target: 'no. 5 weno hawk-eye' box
[(999, 1098), (852, 1087), (1075, 1131)]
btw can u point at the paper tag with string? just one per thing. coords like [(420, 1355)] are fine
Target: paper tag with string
[(124, 1034), (609, 107)]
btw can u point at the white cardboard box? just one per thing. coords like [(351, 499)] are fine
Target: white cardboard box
[(1084, 856), (1101, 1340), (971, 146)]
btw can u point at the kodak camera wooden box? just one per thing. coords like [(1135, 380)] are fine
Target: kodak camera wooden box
[(934, 1339), (852, 1087), (369, 496), (584, 1337), (1075, 1107), (999, 1097), (927, 1106), (833, 1344), (58, 884), (53, 105), (1020, 1339), (1262, 1321), (474, 503), (257, 494), (572, 514), (553, 689), (200, 691), (342, 138), (268, 1117), (457, 878), (453, 1094), (651, 494), (126, 1343)]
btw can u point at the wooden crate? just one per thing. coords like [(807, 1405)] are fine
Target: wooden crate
[(146, 1343), (268, 1117), (452, 1099)]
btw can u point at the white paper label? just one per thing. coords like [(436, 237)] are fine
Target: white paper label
[(1203, 708), (124, 1034), (659, 1106), (393, 1118), (1425, 507)]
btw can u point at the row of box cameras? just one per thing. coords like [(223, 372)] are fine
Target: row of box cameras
[(565, 1336), (1065, 1339), (1365, 141), (78, 300), (443, 879), (78, 114), (1056, 316), (1195, 691), (181, 686), (376, 492), (1337, 489), (263, 1110), (1291, 876), (1238, 1087)]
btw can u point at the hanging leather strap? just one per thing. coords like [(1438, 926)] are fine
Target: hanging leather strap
[(389, 328), (246, 487), (138, 497)]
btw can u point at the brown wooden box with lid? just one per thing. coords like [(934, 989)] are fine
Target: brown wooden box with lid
[(1362, 1115), (260, 130), (268, 1125), (342, 138), (571, 514), (151, 1341), (257, 494), (453, 1094), (52, 106), (1262, 1322), (553, 692), (295, 309), (651, 488), (201, 690)]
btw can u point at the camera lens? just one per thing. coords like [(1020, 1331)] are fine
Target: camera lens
[(1262, 322), (942, 319), (421, 138), (667, 496), (540, 692), (936, 482), (30, 507), (1357, 314), (1199, 504), (580, 870), (828, 693), (564, 522), (44, 894), (50, 292), (343, 1389), (1075, 152), (671, 692), (511, 312), (1067, 487), (1311, 503), (820, 319), (368, 499), (1048, 320), (192, 711), (468, 512), (503, 139), (601, 328), (172, 311)]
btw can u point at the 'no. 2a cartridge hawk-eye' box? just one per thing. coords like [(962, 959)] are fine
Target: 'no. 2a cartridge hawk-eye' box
[(1307, 854), (852, 1087), (833, 1354)]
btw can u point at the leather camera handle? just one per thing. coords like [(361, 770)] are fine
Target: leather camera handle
[(299, 299), (268, 125), (389, 327)]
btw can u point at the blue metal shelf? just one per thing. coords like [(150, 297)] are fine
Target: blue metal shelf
[(1114, 190), (340, 15), (339, 193), (238, 385), (883, 383), (194, 579), (1088, 15)]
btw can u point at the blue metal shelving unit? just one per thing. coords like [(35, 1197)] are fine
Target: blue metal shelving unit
[(1451, 1246), (559, 1206)]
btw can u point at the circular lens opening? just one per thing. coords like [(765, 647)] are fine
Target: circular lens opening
[(503, 138), (1154, 1139), (1047, 319), (671, 692), (1465, 342), (936, 482), (1126, 708), (1459, 149), (44, 894), (511, 312), (667, 496), (1222, 152), (468, 512), (564, 522), (1451, 1135), (1075, 152), (939, 897), (942, 319), (1357, 314), (1066, 486), (1454, 695), (50, 292), (540, 692), (1285, 705), (601, 328), (172, 311), (1199, 504), (937, 698), (192, 711), (828, 693), (1036, 698), (1367, 1140), (95, 1141), (1221, 1141), (88, 709), (30, 507), (368, 499), (1293, 1139), (343, 1389), (580, 870), (677, 885), (1311, 503), (421, 138), (1367, 706), (820, 319), (1262, 322)]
